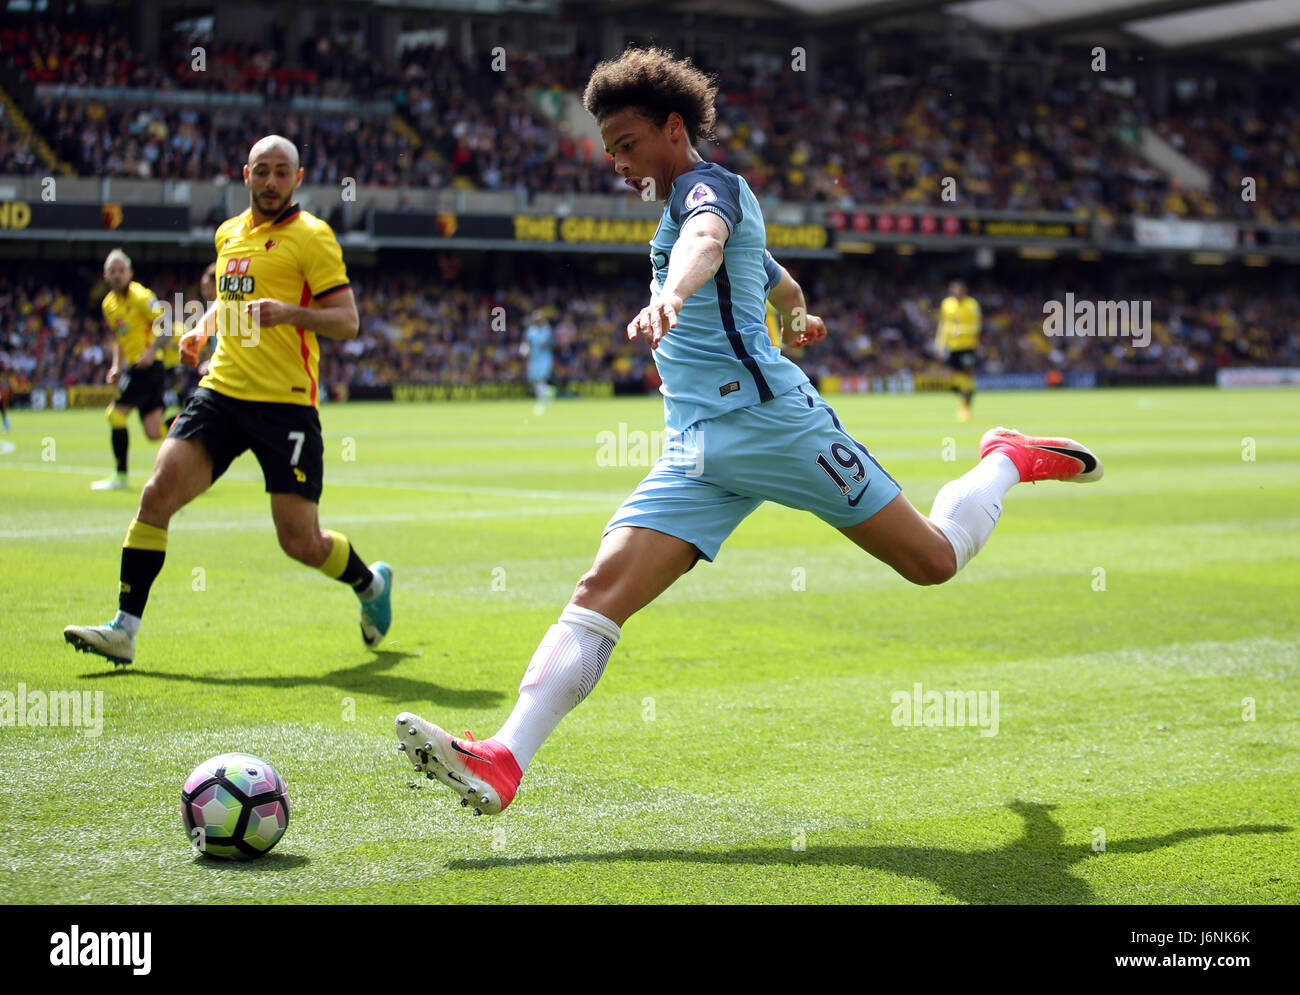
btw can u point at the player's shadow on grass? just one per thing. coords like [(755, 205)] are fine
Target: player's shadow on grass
[(1035, 868), (364, 678), (272, 863)]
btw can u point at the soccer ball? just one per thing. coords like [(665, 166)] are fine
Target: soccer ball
[(234, 806)]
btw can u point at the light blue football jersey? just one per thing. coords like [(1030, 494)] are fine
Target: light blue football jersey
[(541, 340), (719, 357), (541, 360)]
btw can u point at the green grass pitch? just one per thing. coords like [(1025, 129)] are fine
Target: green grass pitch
[(1142, 635)]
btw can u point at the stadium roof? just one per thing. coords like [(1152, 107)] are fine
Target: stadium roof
[(1173, 25), (1169, 24)]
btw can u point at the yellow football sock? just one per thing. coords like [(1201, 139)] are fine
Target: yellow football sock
[(140, 535), (337, 561)]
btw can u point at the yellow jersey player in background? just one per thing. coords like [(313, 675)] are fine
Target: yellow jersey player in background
[(956, 340), (193, 373), (281, 282), (138, 366)]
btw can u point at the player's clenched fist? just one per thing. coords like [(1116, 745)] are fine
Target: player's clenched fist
[(191, 345), (814, 330), (655, 319)]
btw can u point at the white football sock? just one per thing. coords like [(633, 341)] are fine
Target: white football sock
[(374, 589), (966, 509), (566, 666), (130, 623)]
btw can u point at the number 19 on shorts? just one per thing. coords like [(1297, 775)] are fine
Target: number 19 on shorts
[(847, 460)]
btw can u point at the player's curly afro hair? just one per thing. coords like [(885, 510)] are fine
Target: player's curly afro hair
[(652, 80)]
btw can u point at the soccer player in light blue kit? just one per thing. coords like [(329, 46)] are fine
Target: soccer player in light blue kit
[(538, 348), (744, 426)]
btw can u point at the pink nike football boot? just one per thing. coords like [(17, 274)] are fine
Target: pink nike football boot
[(484, 774)]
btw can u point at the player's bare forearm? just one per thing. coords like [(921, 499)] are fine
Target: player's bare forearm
[(336, 318), (695, 257), (694, 262), (327, 322), (333, 322), (207, 325), (788, 299), (192, 341)]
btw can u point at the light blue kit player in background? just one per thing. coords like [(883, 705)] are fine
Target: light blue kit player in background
[(744, 423), (538, 347)]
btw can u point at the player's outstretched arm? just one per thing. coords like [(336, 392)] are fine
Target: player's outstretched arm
[(696, 256)]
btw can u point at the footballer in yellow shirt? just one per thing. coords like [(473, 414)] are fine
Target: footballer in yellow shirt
[(130, 310), (290, 259), (194, 374), (956, 339), (281, 283)]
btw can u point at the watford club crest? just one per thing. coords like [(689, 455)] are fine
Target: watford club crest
[(111, 215), (271, 243), (446, 225)]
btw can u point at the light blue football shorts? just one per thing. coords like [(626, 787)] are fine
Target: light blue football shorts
[(540, 367), (791, 450)]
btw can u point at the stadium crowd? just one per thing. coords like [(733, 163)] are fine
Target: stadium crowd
[(885, 324), (327, 66), (194, 143), (887, 138), (417, 330), (18, 154)]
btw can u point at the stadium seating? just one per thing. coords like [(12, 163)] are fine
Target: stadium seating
[(887, 139)]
